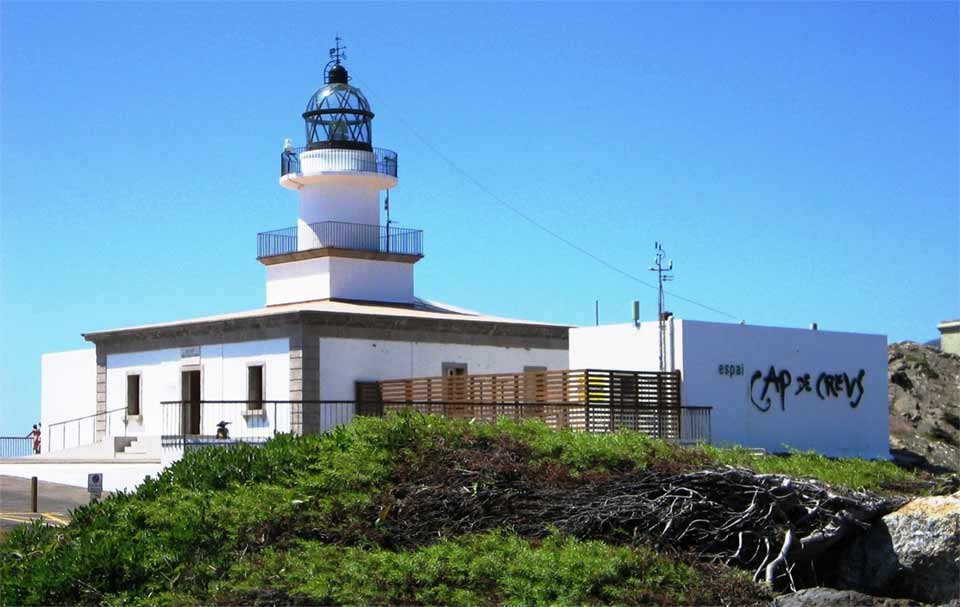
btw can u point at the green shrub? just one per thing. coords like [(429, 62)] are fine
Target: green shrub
[(491, 568), (185, 529), (614, 452), (853, 473), (299, 516)]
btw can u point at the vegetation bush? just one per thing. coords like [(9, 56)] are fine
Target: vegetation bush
[(490, 568), (852, 473), (302, 517)]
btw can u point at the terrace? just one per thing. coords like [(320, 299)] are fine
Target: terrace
[(590, 400)]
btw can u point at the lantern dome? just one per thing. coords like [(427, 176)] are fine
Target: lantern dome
[(338, 115)]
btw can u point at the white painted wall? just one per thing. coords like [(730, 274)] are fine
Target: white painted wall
[(68, 390), (371, 280), (621, 347), (340, 199), (336, 186), (223, 375), (346, 361), (805, 421), (339, 277), (295, 281)]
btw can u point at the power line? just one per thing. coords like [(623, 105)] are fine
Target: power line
[(544, 228)]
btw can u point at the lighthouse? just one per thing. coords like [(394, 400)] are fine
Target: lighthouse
[(339, 250)]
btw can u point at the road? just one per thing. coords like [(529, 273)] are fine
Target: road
[(54, 502)]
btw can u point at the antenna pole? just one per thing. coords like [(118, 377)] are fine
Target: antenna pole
[(386, 207), (662, 277)]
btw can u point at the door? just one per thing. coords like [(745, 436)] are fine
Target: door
[(369, 399), (190, 399)]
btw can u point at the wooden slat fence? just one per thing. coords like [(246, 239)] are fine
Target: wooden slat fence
[(592, 400)]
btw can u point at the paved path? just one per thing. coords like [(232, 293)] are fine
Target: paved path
[(54, 502)]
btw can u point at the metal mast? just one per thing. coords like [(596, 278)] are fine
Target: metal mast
[(662, 277)]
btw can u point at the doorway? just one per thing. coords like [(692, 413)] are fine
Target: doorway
[(190, 400)]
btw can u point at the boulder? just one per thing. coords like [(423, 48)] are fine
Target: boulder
[(829, 597), (913, 552)]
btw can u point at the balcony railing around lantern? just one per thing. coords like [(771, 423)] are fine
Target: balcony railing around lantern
[(340, 235), (378, 161)]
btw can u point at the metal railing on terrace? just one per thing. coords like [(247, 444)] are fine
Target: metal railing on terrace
[(85, 430), (15, 446), (340, 235), (695, 425), (193, 424), (378, 160)]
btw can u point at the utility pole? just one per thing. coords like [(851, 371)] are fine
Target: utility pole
[(662, 277)]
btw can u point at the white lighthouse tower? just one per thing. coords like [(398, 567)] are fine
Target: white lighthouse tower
[(338, 249)]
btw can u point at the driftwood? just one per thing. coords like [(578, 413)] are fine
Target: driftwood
[(728, 515)]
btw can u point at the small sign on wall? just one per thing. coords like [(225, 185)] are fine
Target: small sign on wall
[(191, 352), (95, 484)]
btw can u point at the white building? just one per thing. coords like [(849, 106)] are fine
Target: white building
[(340, 309), (769, 387)]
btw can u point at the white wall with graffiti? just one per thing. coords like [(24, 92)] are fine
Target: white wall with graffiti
[(773, 388)]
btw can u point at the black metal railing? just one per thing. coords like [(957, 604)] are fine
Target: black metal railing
[(188, 424), (695, 425), (16, 446), (85, 430), (378, 161), (340, 235)]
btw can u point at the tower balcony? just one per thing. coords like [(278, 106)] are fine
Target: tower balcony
[(339, 239), (299, 165)]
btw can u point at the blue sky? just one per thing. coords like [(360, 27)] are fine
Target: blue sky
[(799, 161)]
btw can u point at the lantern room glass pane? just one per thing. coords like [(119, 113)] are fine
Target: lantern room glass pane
[(338, 115)]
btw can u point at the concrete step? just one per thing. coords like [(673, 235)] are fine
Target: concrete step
[(136, 447), (121, 443), (142, 446)]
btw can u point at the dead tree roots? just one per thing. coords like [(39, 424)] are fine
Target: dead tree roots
[(764, 523)]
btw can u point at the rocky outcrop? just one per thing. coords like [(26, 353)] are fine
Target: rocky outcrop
[(829, 597), (913, 552), (924, 390)]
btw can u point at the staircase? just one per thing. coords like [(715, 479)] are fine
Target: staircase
[(134, 447)]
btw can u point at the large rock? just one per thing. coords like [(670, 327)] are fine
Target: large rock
[(829, 597), (913, 552)]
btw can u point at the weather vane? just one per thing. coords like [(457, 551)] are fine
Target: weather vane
[(336, 53)]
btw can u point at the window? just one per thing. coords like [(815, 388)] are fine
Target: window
[(133, 394), (453, 369), (255, 388)]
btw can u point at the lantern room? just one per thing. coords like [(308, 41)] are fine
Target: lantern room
[(338, 115)]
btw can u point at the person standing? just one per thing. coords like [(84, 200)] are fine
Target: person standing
[(36, 438)]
